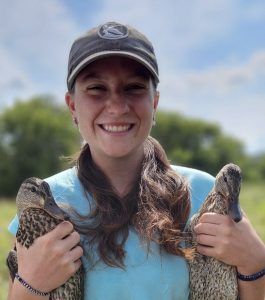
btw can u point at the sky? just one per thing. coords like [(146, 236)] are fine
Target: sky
[(211, 54)]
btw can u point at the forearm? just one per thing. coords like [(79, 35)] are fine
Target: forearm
[(252, 290)]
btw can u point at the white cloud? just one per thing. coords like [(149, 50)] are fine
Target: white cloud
[(14, 80), (35, 40), (232, 95), (218, 80), (10, 70)]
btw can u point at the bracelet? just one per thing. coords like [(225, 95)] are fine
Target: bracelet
[(29, 287), (251, 277)]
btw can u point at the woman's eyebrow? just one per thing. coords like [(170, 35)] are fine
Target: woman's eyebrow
[(89, 75)]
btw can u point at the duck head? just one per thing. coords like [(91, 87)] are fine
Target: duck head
[(228, 184), (36, 193)]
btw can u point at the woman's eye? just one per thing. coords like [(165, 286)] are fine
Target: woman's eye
[(95, 89), (135, 88)]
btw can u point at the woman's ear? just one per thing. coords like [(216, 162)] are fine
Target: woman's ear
[(156, 99), (69, 99)]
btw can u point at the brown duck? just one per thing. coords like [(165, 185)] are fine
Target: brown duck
[(38, 214), (210, 278)]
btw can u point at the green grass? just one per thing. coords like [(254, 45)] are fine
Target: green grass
[(7, 211), (252, 201)]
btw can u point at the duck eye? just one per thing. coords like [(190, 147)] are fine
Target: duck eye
[(33, 189), (225, 179)]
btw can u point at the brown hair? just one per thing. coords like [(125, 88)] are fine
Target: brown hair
[(158, 205)]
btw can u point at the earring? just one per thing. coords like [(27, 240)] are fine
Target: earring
[(154, 121), (75, 121)]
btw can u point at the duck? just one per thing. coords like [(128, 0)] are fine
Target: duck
[(38, 214), (210, 278)]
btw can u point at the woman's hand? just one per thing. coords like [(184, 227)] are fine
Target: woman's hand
[(233, 243), (51, 259)]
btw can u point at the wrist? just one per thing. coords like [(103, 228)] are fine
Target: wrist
[(20, 292), (254, 263), (248, 270), (251, 277), (30, 288), (33, 279)]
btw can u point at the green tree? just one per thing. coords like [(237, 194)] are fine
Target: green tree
[(33, 136), (261, 164), (256, 167), (196, 143)]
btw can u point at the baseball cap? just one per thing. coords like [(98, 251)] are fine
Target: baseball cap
[(110, 39)]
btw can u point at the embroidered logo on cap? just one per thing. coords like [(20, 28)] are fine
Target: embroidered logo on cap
[(113, 31)]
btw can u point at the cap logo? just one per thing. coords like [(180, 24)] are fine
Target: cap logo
[(113, 31)]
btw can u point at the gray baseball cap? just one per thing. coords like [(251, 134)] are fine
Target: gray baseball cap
[(110, 39)]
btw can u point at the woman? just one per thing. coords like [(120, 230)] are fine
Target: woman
[(132, 203)]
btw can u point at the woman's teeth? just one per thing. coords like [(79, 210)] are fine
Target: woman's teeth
[(116, 128)]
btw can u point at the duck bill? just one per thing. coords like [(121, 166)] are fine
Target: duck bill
[(54, 210), (234, 210), (51, 206)]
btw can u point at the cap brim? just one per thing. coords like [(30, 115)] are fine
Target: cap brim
[(102, 54)]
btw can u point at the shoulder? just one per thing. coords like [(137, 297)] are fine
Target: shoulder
[(200, 184), (66, 180), (195, 177), (67, 189)]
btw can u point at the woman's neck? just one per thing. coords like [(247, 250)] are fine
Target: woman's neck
[(122, 172)]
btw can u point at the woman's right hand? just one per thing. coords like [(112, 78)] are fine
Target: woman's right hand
[(52, 259)]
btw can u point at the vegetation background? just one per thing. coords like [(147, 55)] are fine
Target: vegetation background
[(36, 134)]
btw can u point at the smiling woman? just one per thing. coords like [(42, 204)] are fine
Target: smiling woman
[(114, 108), (129, 205)]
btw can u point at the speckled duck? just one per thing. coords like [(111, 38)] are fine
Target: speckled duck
[(38, 214), (211, 279)]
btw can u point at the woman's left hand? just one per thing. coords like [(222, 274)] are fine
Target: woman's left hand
[(233, 243)]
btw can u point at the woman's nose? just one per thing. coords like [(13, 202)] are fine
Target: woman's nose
[(117, 105)]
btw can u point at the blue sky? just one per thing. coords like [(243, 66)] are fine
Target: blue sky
[(211, 54)]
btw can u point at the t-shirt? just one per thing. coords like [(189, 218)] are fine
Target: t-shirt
[(153, 274)]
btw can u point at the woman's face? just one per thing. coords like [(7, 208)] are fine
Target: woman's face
[(114, 102)]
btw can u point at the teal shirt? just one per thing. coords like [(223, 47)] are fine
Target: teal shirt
[(156, 274)]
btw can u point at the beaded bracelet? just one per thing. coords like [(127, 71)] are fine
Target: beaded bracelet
[(29, 287), (251, 277)]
